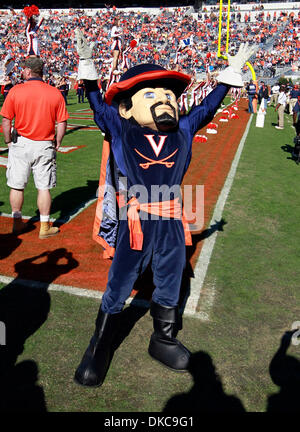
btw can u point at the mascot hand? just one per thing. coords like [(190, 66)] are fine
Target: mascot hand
[(232, 75), (86, 67), (83, 49), (244, 53)]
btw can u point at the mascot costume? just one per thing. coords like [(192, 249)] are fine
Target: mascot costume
[(149, 144)]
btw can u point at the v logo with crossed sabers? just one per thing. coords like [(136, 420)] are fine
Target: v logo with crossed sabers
[(156, 147), (164, 161)]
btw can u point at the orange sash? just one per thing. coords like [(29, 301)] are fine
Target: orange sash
[(170, 209)]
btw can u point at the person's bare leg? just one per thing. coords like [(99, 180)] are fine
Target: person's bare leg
[(16, 199), (115, 59), (44, 202), (44, 205)]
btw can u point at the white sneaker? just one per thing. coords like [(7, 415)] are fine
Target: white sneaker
[(278, 127)]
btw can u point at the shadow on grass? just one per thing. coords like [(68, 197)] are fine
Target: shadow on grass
[(290, 149), (190, 251), (24, 307), (285, 373), (74, 129), (71, 201), (207, 394), (10, 242), (68, 203)]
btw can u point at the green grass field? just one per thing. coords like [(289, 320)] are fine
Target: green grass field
[(253, 278)]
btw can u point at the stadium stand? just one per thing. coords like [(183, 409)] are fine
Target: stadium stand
[(273, 27)]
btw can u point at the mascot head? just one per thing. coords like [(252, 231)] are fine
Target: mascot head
[(148, 93)]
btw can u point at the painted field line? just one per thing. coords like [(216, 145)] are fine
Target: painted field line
[(80, 292), (76, 124), (64, 220), (208, 245)]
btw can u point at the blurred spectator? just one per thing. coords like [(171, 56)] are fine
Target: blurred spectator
[(80, 91), (251, 91), (159, 35), (280, 107), (274, 94), (293, 98), (296, 116), (263, 95), (7, 85), (63, 87)]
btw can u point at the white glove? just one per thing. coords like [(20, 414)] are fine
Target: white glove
[(232, 75), (86, 67), (242, 56)]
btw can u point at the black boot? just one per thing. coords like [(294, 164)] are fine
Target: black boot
[(163, 346), (95, 363)]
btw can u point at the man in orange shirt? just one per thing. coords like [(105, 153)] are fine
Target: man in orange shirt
[(35, 106)]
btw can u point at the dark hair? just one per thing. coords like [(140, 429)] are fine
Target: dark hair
[(126, 102)]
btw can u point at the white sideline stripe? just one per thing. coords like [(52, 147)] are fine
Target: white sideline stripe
[(81, 292), (206, 251), (207, 303), (200, 267), (67, 219), (3, 161)]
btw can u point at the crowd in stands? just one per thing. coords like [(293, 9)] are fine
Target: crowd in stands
[(158, 38)]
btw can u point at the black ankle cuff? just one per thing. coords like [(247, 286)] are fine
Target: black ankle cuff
[(167, 314)]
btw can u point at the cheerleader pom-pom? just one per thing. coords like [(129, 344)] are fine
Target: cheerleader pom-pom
[(133, 43), (29, 11), (35, 10)]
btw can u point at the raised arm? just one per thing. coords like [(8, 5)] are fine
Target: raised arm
[(199, 116), (105, 116), (230, 77)]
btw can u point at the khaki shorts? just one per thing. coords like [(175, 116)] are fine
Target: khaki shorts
[(27, 155)]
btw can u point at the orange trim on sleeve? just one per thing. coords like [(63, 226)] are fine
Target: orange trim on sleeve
[(109, 251)]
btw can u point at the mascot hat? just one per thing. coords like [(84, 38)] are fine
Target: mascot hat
[(146, 75)]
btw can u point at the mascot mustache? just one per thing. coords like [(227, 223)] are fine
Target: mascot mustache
[(164, 119)]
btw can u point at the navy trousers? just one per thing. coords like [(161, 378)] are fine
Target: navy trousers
[(164, 247)]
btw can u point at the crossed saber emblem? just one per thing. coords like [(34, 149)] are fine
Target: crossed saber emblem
[(146, 165)]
